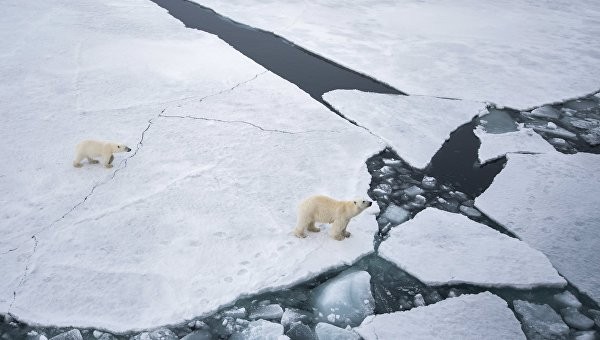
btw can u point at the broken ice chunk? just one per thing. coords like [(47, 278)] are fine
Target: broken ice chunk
[(419, 300), (429, 182), (159, 334), (540, 321), (596, 315), (73, 334), (268, 312), (235, 312), (293, 315), (543, 112), (558, 142), (551, 125), (199, 335), (382, 189), (585, 335), (326, 331), (558, 131), (260, 330), (592, 137), (461, 196), (395, 214), (575, 319), (345, 295), (413, 191), (451, 206), (471, 212), (567, 299)]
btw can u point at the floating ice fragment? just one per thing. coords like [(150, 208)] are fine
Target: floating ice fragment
[(596, 315), (419, 300), (558, 142), (300, 331), (199, 335), (543, 112), (73, 334), (540, 321), (235, 312), (395, 214), (259, 330), (551, 125), (268, 312), (575, 319), (461, 196), (498, 121), (471, 212), (558, 131), (293, 315), (592, 137), (567, 299), (428, 182), (345, 294), (413, 191), (326, 331), (585, 335)]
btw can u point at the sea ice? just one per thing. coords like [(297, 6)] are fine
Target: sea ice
[(469, 211), (327, 331), (347, 295), (540, 321), (497, 121), (585, 335), (545, 111), (440, 248), (395, 214), (268, 312), (567, 299), (522, 140), (575, 319), (73, 334), (300, 331), (260, 330), (135, 254), (415, 127), (550, 201), (481, 316), (502, 52), (293, 315), (159, 334), (428, 182)]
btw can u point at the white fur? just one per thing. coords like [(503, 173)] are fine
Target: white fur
[(91, 149), (323, 209)]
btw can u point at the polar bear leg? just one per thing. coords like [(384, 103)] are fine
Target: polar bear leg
[(338, 229), (77, 161), (107, 160), (303, 223), (92, 161), (313, 228)]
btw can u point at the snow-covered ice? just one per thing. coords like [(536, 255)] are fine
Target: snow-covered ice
[(73, 334), (395, 214), (439, 247), (551, 202), (540, 321), (481, 316), (494, 145), (143, 249), (567, 299), (327, 331), (268, 312), (415, 127), (514, 53), (347, 297)]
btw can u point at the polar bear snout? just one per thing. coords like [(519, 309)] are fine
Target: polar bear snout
[(127, 149)]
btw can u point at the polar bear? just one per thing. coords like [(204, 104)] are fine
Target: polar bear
[(94, 148), (323, 209)]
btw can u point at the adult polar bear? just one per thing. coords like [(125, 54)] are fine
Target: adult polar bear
[(323, 209), (93, 148)]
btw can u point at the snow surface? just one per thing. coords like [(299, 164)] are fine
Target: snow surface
[(513, 53), (142, 244), (551, 202), (494, 145), (415, 127), (438, 248), (481, 316)]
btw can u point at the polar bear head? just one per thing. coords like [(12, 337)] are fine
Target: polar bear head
[(120, 148), (362, 204)]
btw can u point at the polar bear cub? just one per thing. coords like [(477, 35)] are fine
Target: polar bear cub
[(323, 209), (94, 148)]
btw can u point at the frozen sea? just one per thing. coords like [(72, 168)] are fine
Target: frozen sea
[(474, 127)]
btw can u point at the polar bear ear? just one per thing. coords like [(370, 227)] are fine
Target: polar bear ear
[(355, 203)]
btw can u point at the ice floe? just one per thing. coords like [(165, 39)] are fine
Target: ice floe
[(540, 321), (439, 247), (507, 53), (146, 247), (524, 140), (550, 201), (415, 127), (481, 316)]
